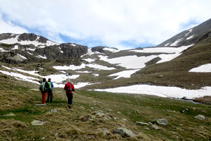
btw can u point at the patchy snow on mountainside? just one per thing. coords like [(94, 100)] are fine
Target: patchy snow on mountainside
[(15, 47), (19, 76), (35, 43), (202, 69), (43, 57), (90, 60), (169, 53), (60, 79), (72, 67), (99, 67), (83, 84), (111, 49), (129, 62), (162, 91), (2, 50), (125, 74), (23, 57)]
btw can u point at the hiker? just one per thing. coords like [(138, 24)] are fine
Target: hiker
[(43, 89), (50, 91), (69, 87)]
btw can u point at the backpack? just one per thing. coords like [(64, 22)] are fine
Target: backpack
[(68, 88), (42, 87), (49, 85)]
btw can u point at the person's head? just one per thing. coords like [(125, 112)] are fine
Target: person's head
[(43, 80), (49, 79), (68, 81)]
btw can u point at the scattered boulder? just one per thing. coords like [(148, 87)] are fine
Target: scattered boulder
[(124, 132), (106, 132), (162, 121), (86, 118), (10, 115), (53, 111), (37, 122), (142, 123), (200, 117), (154, 126)]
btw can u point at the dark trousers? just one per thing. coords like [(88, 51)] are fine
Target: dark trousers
[(50, 96), (70, 98)]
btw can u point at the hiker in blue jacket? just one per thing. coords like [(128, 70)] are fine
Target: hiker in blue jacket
[(50, 91)]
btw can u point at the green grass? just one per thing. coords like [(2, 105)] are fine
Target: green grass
[(66, 124)]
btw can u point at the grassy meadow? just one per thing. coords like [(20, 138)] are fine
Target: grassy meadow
[(96, 115)]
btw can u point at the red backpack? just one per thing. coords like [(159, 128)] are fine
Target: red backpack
[(68, 87)]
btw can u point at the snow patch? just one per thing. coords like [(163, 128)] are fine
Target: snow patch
[(190, 37), (23, 57), (43, 57), (111, 50), (15, 47), (90, 60), (125, 74), (129, 62), (176, 42), (202, 69), (161, 91)]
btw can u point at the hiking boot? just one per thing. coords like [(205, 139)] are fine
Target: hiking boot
[(69, 106)]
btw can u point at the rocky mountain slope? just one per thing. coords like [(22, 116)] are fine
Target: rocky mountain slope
[(25, 48), (190, 36)]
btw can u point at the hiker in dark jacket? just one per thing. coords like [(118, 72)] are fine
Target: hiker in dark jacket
[(50, 91), (69, 87), (44, 89)]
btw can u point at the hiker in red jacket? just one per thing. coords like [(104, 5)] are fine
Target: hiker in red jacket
[(69, 87)]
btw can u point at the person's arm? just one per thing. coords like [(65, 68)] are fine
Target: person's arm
[(52, 85), (73, 88), (65, 87)]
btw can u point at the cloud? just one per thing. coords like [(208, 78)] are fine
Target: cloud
[(119, 23), (8, 27)]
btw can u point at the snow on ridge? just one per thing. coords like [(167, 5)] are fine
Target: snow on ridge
[(206, 68), (36, 43), (172, 52), (156, 50), (188, 38), (23, 57), (111, 49), (161, 91), (176, 42)]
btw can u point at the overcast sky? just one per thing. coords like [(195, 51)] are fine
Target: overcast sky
[(114, 23)]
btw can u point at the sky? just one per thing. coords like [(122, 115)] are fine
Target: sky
[(123, 24)]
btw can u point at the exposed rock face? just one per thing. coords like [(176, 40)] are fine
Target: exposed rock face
[(98, 49), (32, 37), (5, 36), (57, 52), (25, 36)]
